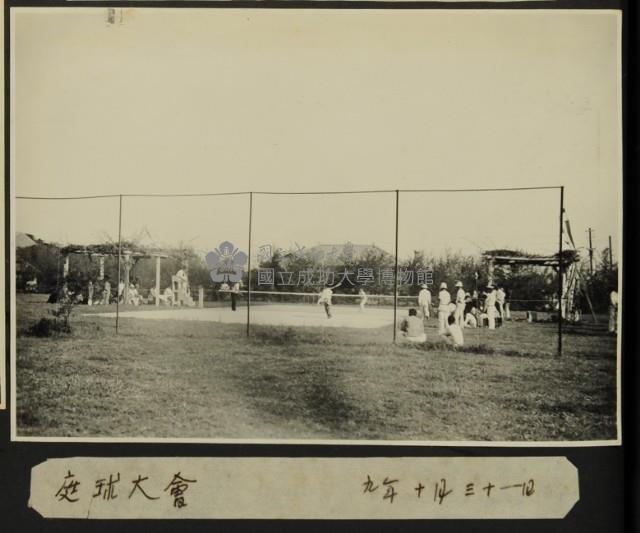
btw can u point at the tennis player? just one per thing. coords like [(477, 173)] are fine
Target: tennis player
[(325, 298), (363, 299)]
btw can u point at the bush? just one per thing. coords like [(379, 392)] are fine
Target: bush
[(63, 313), (59, 324), (49, 327)]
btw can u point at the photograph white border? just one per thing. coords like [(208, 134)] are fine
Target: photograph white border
[(417, 443)]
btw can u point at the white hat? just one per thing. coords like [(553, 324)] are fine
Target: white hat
[(424, 286), (458, 284), (443, 285), (490, 286)]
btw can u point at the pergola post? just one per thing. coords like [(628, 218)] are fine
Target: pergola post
[(101, 263), (157, 280), (65, 267)]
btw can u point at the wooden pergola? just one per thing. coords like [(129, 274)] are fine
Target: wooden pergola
[(127, 256), (567, 260), (504, 257)]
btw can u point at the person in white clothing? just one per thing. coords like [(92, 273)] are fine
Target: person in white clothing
[(167, 296), (235, 292), (490, 306), (444, 299), (500, 299), (121, 292), (424, 301), (613, 311), (182, 280), (363, 299), (454, 332), (470, 320), (412, 328), (460, 302), (325, 298)]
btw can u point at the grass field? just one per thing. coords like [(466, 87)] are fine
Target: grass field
[(176, 379)]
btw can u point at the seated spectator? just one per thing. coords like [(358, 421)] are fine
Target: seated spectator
[(470, 320), (454, 332), (167, 296), (134, 296), (412, 328)]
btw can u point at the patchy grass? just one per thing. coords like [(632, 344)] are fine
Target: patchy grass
[(161, 378)]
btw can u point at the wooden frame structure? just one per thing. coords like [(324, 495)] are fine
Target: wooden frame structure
[(127, 255), (564, 264)]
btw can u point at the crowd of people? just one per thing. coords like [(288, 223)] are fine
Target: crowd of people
[(457, 312), (100, 292)]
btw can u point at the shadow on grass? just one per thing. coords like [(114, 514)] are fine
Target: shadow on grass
[(587, 330), (277, 336), (315, 395)]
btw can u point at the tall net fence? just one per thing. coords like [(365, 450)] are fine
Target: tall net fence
[(359, 260)]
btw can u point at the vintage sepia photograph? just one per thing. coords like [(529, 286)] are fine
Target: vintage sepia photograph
[(316, 225)]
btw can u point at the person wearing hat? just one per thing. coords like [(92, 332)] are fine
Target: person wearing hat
[(444, 300), (490, 306), (424, 301), (459, 310)]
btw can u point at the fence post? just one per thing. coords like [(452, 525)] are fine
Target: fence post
[(249, 265), (119, 261), (560, 273), (395, 282)]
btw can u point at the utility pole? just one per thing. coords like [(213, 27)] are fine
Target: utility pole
[(590, 254), (610, 254)]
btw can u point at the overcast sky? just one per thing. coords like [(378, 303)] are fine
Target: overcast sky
[(192, 101)]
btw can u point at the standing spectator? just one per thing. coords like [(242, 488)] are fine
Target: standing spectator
[(501, 297), (235, 291), (507, 305), (106, 291), (460, 297), (577, 305), (613, 311), (424, 301), (182, 279), (90, 293), (490, 306), (444, 299)]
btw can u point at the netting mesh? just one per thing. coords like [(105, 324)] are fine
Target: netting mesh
[(375, 251)]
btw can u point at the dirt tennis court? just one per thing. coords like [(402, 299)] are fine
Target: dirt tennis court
[(273, 314)]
